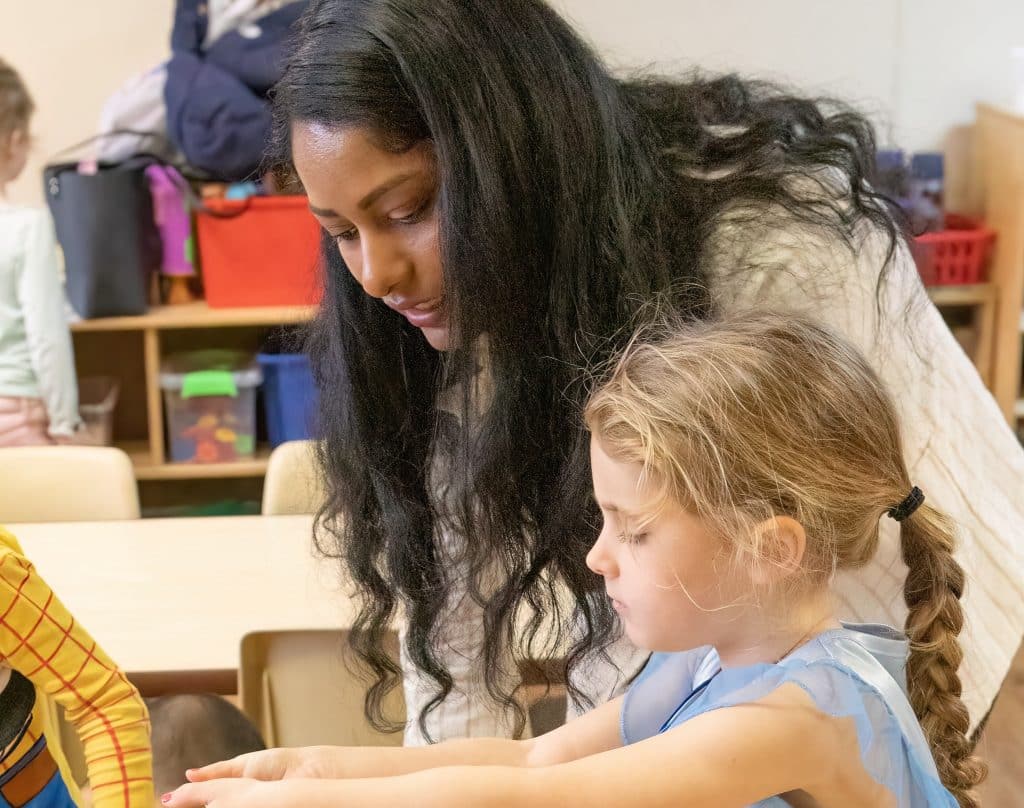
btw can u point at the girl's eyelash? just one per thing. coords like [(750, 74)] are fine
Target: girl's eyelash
[(631, 538)]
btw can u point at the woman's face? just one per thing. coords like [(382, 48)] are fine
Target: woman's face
[(380, 208)]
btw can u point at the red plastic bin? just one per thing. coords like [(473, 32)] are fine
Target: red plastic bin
[(268, 254), (955, 256)]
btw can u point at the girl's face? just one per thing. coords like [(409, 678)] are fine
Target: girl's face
[(668, 578), (14, 155), (380, 208)]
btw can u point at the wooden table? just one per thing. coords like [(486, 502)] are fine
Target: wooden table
[(171, 599)]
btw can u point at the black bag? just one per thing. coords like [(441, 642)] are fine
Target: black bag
[(105, 226)]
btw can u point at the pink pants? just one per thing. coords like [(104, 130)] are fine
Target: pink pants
[(23, 422)]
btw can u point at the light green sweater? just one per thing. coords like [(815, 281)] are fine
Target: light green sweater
[(36, 357)]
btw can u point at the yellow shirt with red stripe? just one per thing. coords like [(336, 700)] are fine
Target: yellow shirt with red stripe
[(42, 641)]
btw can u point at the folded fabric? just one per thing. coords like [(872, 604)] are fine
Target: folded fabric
[(217, 112)]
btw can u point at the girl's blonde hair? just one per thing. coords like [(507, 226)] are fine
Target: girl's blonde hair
[(764, 416), (16, 105)]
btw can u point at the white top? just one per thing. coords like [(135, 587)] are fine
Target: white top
[(36, 357)]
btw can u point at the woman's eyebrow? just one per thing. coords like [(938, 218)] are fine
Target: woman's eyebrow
[(325, 212), (370, 198), (383, 188)]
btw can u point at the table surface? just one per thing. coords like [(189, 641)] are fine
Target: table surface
[(177, 595)]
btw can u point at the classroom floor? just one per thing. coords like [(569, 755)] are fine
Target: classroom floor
[(1001, 743)]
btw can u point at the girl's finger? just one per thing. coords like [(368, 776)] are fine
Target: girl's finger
[(215, 771), (189, 796)]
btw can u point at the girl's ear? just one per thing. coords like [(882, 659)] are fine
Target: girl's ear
[(784, 541), (9, 144)]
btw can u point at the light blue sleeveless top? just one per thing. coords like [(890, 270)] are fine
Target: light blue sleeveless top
[(857, 671)]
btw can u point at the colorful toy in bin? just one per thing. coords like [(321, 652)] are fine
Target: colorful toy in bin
[(210, 398)]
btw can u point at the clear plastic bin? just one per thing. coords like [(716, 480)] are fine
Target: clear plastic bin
[(97, 400), (210, 401)]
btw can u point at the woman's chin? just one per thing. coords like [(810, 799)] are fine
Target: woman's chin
[(439, 338)]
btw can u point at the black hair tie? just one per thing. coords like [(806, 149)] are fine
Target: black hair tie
[(908, 506)]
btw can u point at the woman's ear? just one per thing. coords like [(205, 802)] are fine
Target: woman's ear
[(784, 541)]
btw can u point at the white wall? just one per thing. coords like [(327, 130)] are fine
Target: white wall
[(917, 66), (73, 54)]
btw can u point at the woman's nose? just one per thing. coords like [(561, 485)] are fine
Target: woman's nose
[(383, 268)]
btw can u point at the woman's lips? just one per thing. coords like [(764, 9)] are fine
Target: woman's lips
[(427, 314), (425, 318)]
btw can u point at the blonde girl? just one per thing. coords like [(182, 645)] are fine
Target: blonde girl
[(738, 466)]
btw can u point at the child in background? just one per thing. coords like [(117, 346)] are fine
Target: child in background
[(190, 731), (47, 659), (738, 466), (38, 390)]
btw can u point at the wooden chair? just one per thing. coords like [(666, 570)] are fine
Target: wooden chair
[(295, 688), (293, 484), (67, 484)]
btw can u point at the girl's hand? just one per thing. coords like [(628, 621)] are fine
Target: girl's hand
[(272, 764), (236, 793)]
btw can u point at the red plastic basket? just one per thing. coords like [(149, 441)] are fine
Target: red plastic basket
[(266, 255), (955, 256)]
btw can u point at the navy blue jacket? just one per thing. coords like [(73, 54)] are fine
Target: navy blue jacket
[(217, 109)]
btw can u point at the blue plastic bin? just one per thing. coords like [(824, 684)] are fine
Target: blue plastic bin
[(290, 397)]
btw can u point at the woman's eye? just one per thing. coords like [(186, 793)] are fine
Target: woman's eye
[(416, 216), (631, 538), (348, 235)]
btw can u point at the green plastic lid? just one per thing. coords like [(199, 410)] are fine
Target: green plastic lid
[(210, 373), (201, 383)]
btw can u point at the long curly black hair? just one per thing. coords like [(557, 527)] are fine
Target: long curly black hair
[(568, 199)]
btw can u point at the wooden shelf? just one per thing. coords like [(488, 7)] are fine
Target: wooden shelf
[(198, 315), (146, 469), (155, 330), (968, 295), (997, 177)]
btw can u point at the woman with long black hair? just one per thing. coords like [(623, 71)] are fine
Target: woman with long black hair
[(499, 213)]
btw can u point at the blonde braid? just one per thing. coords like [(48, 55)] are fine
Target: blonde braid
[(934, 586)]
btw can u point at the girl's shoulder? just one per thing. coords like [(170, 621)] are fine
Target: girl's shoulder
[(9, 544), (855, 673), (12, 212), (21, 222)]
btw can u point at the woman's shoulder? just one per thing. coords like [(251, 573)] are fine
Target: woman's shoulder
[(796, 258)]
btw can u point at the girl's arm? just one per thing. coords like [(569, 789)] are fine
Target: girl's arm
[(43, 642), (729, 757), (597, 731), (41, 297)]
